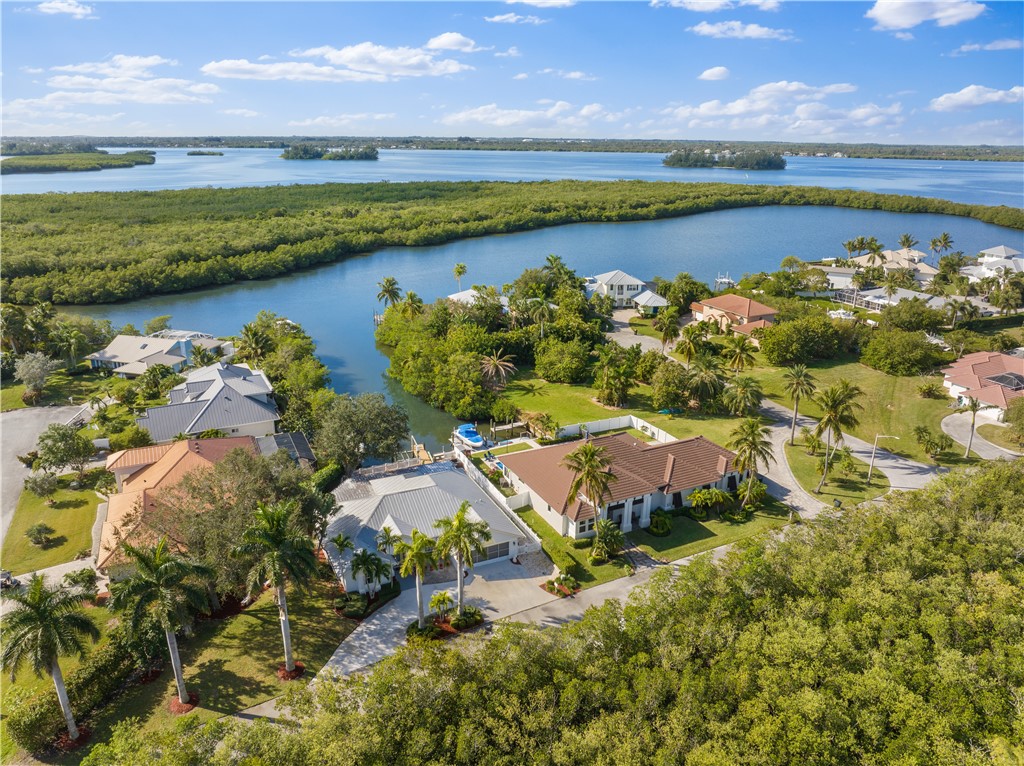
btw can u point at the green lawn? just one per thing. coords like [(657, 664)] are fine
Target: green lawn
[(849, 490), (643, 326), (71, 516), (232, 663), (59, 387), (1001, 436), (558, 547), (689, 537)]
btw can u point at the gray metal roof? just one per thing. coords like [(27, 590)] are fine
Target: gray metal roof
[(295, 444)]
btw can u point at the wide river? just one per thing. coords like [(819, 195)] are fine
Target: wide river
[(983, 183), (335, 302)]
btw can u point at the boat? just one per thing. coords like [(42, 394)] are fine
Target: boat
[(468, 435)]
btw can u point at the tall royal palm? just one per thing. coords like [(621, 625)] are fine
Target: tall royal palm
[(798, 383), (460, 538), (459, 272), (44, 625), (279, 552), (738, 352), (166, 585), (751, 441), (838, 405), (390, 293), (590, 467), (972, 406), (417, 557)]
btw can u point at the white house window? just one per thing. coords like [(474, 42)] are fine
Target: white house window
[(587, 525)]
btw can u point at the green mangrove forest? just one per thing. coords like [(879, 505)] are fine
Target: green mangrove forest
[(202, 153), (101, 247), (74, 161), (746, 160)]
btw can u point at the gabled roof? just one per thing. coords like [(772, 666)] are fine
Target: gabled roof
[(136, 348), (737, 304), (618, 278), (649, 299), (749, 327), (639, 468)]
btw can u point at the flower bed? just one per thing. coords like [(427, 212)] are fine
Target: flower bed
[(447, 626), (562, 586)]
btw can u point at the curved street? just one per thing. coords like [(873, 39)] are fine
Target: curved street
[(958, 427)]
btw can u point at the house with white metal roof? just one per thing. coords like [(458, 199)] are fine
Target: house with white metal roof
[(131, 355), (622, 287), (995, 262), (649, 303), (231, 398)]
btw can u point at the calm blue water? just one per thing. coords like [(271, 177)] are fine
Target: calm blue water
[(335, 303), (985, 183)]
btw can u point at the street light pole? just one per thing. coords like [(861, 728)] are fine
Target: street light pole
[(874, 447)]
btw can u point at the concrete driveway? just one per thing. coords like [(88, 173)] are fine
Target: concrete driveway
[(958, 427), (19, 431), (623, 334)]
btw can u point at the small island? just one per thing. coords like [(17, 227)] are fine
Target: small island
[(313, 152), (75, 161), (201, 153), (745, 160)]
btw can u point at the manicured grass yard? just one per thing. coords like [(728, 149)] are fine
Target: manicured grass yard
[(71, 516), (849, 490), (558, 548), (1000, 436), (232, 663), (689, 537), (59, 386), (643, 327)]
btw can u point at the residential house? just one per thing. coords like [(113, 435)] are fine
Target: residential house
[(839, 277), (734, 312), (648, 477), (905, 258), (472, 295), (414, 499), (622, 287), (131, 355), (231, 398), (992, 378), (876, 299), (649, 303), (995, 262)]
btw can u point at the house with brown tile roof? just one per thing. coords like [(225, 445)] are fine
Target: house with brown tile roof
[(992, 378), (728, 310), (648, 477)]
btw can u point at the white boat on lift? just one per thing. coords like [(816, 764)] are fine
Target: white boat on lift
[(468, 435)]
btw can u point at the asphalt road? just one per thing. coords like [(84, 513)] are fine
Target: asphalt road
[(19, 431)]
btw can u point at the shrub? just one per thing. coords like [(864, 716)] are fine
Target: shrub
[(84, 579), (695, 513), (898, 352), (429, 630), (562, 361), (327, 478), (597, 558), (661, 524), (470, 616), (39, 534), (29, 460), (932, 390), (582, 543), (799, 341), (42, 485), (131, 437)]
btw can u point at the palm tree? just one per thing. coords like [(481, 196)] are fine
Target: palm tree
[(751, 441), (797, 383), (279, 551), (608, 539), (838, 404), (667, 323), (972, 406), (202, 357), (891, 283), (45, 625), (691, 341), (942, 243), (254, 344), (875, 255), (461, 537), (343, 543), (907, 241), (459, 271), (412, 306), (541, 313), (417, 557), (368, 564), (713, 497), (167, 585), (743, 395), (440, 604), (497, 366), (387, 539), (706, 380), (590, 466), (739, 352), (70, 342), (390, 293)]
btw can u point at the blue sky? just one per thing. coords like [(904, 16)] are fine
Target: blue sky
[(948, 71)]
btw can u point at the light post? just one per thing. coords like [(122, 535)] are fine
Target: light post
[(874, 447)]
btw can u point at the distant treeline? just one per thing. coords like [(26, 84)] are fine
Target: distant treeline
[(44, 146), (747, 160), (202, 153), (101, 247), (314, 152), (872, 151), (77, 161)]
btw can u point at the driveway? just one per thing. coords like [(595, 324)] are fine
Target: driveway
[(624, 335), (958, 427), (19, 431)]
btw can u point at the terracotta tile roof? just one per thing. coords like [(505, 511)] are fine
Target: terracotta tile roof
[(973, 372), (737, 304), (639, 469), (168, 464), (749, 327)]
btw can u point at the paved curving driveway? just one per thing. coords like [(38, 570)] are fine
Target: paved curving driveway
[(623, 334), (958, 427), (19, 431)]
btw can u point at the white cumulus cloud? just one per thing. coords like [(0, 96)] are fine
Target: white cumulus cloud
[(391, 62), (714, 73), (739, 30), (241, 112), (71, 8), (339, 120), (996, 45), (553, 115), (889, 15), (711, 6), (452, 41), (295, 71), (515, 18), (976, 95), (567, 75), (511, 53), (521, 76), (119, 66)]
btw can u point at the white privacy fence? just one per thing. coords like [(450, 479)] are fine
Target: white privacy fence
[(622, 421), (508, 505)]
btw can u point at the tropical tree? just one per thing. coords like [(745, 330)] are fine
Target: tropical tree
[(875, 254), (972, 406), (941, 243), (891, 283), (706, 380), (459, 272), (371, 566), (343, 543), (41, 625), (667, 323), (812, 442), (838, 404), (441, 604), (907, 241), (253, 344), (387, 539), (166, 585), (798, 383), (497, 367), (390, 293), (461, 537), (202, 356), (712, 497), (417, 556), (279, 552), (412, 306), (43, 484), (69, 342), (608, 539), (742, 395), (751, 441), (691, 341), (738, 352), (540, 313), (590, 466)]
